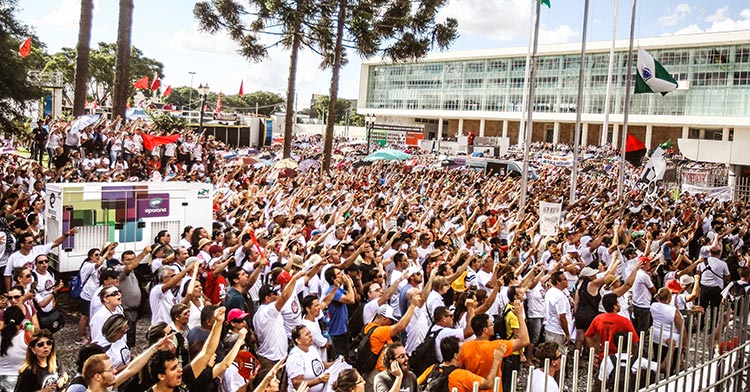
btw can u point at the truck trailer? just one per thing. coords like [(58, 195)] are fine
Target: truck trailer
[(130, 213)]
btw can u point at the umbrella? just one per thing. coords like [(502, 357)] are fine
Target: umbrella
[(361, 163), (347, 150), (252, 151), (286, 163), (84, 121), (244, 161), (387, 155), (284, 173), (308, 164)]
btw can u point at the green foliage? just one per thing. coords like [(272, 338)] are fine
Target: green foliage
[(266, 101), (15, 89), (167, 123), (102, 70), (321, 108)]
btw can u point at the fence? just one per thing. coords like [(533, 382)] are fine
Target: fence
[(715, 356)]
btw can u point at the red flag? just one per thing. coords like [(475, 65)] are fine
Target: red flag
[(242, 92), (634, 150), (218, 104), (141, 83), (168, 90), (156, 83), (151, 141), (25, 48)]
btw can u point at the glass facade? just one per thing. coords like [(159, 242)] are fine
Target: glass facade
[(718, 80)]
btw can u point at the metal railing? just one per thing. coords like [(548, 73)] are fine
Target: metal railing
[(714, 356)]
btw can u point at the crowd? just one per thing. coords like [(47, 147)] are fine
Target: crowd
[(385, 277)]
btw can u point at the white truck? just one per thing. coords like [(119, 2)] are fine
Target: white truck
[(131, 213)]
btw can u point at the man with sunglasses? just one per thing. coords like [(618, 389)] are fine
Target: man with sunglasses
[(25, 255), (46, 284), (111, 304)]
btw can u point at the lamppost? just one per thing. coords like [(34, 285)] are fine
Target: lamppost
[(369, 125), (190, 94), (203, 91)]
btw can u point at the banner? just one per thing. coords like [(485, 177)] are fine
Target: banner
[(549, 218), (723, 193), (557, 160)]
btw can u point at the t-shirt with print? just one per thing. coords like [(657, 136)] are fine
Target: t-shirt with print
[(305, 364)]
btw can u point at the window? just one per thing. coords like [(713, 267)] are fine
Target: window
[(711, 56), (548, 63), (497, 66), (451, 104), (546, 81), (518, 65), (599, 61), (572, 62), (516, 82), (709, 79), (742, 56), (496, 82), (397, 83), (742, 78), (474, 83), (432, 68), (474, 67), (674, 58)]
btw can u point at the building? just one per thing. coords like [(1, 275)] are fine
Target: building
[(455, 93)]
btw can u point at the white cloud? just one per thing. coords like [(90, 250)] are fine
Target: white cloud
[(196, 41), (678, 14), (559, 35), (66, 14), (502, 20), (720, 20)]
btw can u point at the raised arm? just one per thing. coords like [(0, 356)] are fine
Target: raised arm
[(212, 342)]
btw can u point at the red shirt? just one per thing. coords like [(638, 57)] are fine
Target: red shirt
[(216, 288), (606, 325)]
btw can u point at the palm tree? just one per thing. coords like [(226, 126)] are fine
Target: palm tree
[(82, 57), (122, 61)]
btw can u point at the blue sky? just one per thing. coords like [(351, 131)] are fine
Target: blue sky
[(166, 30)]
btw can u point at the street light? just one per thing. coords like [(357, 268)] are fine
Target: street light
[(190, 94), (369, 125), (203, 91)]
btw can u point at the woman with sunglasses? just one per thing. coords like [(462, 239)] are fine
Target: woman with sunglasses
[(12, 348), (40, 371), (349, 380), (23, 300), (111, 305), (47, 287)]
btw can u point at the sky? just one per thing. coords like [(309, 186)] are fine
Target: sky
[(166, 30)]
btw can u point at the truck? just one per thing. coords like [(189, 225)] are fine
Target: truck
[(130, 213)]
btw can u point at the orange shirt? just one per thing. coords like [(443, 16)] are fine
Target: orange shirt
[(379, 338), (463, 380), (477, 355)]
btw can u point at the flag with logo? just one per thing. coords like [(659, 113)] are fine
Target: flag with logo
[(546, 2), (651, 76)]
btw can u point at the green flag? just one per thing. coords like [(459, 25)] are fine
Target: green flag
[(651, 76), (666, 145), (546, 2)]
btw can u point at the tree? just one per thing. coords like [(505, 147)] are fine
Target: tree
[(180, 96), (321, 108), (102, 69), (15, 89), (122, 60), (279, 18), (392, 29), (82, 57)]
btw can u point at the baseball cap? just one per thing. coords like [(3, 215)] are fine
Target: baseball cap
[(283, 277), (387, 312), (235, 314), (674, 286), (588, 271)]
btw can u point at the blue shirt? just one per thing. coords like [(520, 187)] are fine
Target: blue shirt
[(338, 313)]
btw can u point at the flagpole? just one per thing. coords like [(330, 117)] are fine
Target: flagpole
[(531, 69), (579, 108), (526, 74), (610, 69), (626, 108)]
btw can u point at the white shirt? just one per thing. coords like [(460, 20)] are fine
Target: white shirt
[(319, 341), (119, 353), (269, 328), (641, 290), (14, 357), (663, 316), (19, 260), (708, 278), (535, 302), (608, 366), (161, 304), (292, 310), (434, 300), (368, 312), (417, 329), (482, 279), (90, 278), (307, 364), (557, 304), (45, 284), (232, 380), (537, 382), (444, 333), (97, 321)]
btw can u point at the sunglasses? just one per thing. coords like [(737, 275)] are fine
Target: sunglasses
[(114, 293), (26, 276), (42, 261), (97, 254), (49, 343), (14, 297)]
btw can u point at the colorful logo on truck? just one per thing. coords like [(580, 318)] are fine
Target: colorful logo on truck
[(155, 205)]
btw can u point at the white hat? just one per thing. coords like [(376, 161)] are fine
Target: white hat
[(686, 280), (571, 249), (588, 271), (386, 311)]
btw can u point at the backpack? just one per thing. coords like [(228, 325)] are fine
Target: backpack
[(424, 355), (76, 284), (437, 380), (737, 291), (501, 329), (361, 357)]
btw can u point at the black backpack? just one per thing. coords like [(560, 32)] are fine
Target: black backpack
[(361, 357), (424, 355), (437, 380), (737, 291), (501, 329)]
